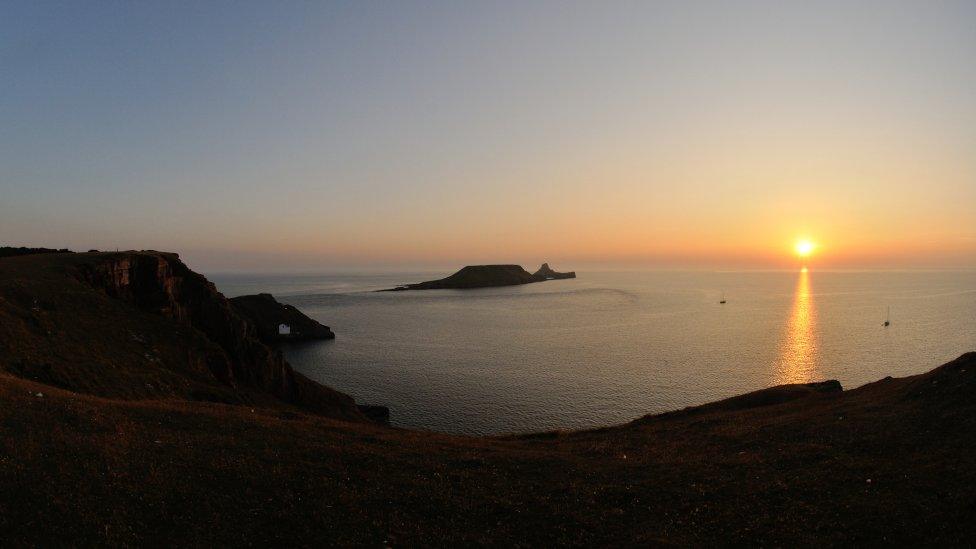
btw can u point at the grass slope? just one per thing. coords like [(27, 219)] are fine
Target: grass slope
[(891, 461)]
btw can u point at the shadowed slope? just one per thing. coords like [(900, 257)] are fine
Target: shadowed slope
[(266, 314), (891, 461)]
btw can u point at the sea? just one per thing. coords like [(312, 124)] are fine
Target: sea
[(609, 347)]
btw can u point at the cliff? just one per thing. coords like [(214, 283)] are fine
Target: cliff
[(487, 276), (267, 315), (143, 325)]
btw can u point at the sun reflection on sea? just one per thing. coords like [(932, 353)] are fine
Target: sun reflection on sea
[(797, 362)]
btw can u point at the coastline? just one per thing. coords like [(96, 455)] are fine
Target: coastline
[(885, 461)]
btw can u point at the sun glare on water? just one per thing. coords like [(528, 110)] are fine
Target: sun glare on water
[(804, 247)]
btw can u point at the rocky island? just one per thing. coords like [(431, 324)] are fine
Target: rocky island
[(546, 273), (487, 276)]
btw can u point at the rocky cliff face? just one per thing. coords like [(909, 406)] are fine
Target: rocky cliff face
[(160, 283), (266, 314)]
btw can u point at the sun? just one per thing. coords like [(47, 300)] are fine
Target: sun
[(804, 247)]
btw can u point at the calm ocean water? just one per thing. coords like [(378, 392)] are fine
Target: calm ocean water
[(606, 348)]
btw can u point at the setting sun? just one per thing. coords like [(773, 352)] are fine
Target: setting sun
[(804, 247)]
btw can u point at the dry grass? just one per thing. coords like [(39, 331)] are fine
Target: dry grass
[(889, 462)]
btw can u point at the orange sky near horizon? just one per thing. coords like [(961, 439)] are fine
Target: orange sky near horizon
[(660, 134), (665, 214)]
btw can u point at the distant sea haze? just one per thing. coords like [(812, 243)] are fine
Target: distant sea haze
[(606, 348)]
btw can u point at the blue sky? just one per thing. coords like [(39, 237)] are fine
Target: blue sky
[(321, 135)]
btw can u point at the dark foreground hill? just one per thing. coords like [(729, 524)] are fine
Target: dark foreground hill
[(487, 276), (86, 459)]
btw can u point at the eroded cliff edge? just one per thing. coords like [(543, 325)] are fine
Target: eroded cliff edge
[(143, 325), (277, 322)]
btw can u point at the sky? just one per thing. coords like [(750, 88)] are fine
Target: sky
[(309, 136)]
